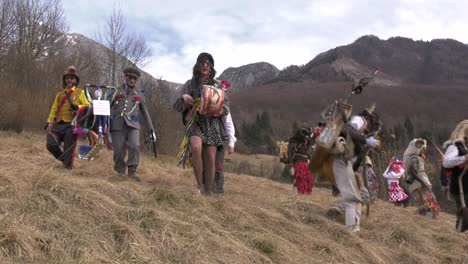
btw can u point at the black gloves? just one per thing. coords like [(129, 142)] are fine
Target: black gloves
[(74, 107)]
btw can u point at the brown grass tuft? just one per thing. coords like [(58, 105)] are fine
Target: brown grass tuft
[(93, 216)]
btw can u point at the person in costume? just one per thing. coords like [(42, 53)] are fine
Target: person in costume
[(206, 132), (348, 152), (59, 128), (220, 152), (318, 129), (372, 181), (419, 185), (393, 173), (455, 160), (299, 150), (126, 110)]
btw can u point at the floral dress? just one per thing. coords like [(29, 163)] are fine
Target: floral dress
[(395, 192), (210, 129)]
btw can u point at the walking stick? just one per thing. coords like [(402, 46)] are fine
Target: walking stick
[(462, 214)]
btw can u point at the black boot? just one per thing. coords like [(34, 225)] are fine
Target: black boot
[(335, 190), (132, 173)]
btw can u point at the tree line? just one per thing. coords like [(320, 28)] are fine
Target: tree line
[(35, 49)]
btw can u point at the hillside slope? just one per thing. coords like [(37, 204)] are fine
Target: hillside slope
[(93, 217), (430, 107)]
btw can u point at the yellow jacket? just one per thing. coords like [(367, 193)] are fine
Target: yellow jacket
[(65, 114)]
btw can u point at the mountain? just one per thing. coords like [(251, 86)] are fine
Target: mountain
[(422, 81), (401, 59), (249, 75)]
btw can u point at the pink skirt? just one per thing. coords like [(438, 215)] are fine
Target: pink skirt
[(396, 193)]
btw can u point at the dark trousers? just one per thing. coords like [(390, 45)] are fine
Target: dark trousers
[(62, 133), (219, 174), (458, 200), (219, 171), (128, 138)]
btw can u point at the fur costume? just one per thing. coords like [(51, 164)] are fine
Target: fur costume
[(419, 183), (458, 134), (454, 165), (345, 144)]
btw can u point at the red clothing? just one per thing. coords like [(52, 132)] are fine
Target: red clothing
[(396, 193), (304, 178)]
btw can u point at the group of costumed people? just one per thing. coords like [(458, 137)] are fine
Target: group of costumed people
[(72, 107), (205, 113), (338, 151)]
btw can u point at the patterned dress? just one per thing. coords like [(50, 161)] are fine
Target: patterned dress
[(395, 192), (209, 129)]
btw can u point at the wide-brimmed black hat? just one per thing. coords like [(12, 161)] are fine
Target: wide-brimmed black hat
[(205, 56)]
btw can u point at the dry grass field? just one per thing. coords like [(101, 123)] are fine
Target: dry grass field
[(48, 216)]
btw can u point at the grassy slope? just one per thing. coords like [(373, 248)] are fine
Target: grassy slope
[(93, 217)]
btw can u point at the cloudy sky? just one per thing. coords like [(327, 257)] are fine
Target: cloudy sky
[(281, 32)]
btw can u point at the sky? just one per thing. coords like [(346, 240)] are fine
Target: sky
[(280, 32)]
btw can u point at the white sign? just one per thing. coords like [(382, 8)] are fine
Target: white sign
[(101, 107)]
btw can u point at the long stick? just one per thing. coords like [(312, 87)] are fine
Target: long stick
[(437, 148), (460, 186)]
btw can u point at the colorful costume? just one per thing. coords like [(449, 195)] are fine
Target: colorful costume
[(393, 173), (299, 149), (209, 128), (417, 179), (454, 162), (203, 104), (372, 181), (59, 129), (345, 140)]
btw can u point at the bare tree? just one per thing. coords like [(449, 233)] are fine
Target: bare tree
[(113, 40), (6, 29), (124, 48), (39, 29), (31, 32), (137, 51), (167, 122)]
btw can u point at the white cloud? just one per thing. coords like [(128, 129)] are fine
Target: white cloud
[(239, 32)]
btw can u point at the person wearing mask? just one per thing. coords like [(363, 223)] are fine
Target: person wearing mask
[(208, 131)]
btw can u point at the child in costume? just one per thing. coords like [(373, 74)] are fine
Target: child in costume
[(393, 173)]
